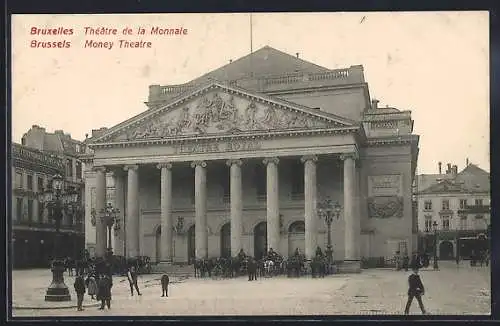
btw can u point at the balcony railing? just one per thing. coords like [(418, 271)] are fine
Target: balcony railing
[(475, 209)]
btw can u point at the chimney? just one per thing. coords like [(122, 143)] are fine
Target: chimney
[(230, 60), (439, 166), (375, 104), (467, 162), (297, 54), (455, 170), (448, 170)]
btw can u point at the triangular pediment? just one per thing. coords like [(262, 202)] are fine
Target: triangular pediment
[(445, 186), (217, 109)]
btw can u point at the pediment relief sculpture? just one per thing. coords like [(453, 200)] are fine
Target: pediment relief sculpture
[(220, 112)]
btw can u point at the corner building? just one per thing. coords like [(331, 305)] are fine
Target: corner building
[(240, 157)]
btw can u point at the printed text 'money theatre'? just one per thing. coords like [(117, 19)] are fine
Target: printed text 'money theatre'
[(123, 44)]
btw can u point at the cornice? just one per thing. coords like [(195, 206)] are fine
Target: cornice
[(398, 140), (236, 136)]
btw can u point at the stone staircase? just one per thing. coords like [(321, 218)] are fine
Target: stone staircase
[(179, 271)]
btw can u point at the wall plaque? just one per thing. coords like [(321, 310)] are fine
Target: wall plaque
[(385, 185), (385, 206)]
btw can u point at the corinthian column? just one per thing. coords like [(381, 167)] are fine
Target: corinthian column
[(310, 199), (200, 195), (132, 225), (100, 229), (118, 246), (351, 229), (273, 209), (236, 206), (166, 212)]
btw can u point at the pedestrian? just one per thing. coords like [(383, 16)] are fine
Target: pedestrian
[(104, 291), (406, 262), (164, 285), (415, 290), (80, 291), (132, 279), (91, 283)]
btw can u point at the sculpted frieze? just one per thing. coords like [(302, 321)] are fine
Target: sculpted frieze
[(223, 113), (385, 206)]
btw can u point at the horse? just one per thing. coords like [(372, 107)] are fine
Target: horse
[(269, 267)]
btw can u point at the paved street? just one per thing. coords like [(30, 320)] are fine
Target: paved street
[(452, 290)]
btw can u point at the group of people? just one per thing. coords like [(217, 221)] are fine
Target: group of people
[(98, 286)]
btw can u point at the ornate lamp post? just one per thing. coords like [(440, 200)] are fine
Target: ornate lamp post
[(178, 230), (435, 265), (109, 217), (74, 208), (55, 200), (327, 209)]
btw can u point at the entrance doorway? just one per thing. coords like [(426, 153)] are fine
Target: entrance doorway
[(225, 240), (446, 250), (260, 240), (191, 246), (296, 237), (158, 244)]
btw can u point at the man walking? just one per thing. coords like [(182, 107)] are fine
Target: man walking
[(132, 279), (164, 285), (104, 291), (415, 290), (80, 291)]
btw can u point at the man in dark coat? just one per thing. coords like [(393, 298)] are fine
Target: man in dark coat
[(164, 285), (104, 291), (415, 290), (132, 279), (252, 269), (80, 291)]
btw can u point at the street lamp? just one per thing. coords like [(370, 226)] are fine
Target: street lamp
[(74, 208), (57, 202), (109, 217), (435, 265), (327, 209)]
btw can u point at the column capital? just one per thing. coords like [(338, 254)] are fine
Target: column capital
[(162, 165), (133, 167), (194, 164), (306, 158), (100, 169), (237, 162), (273, 160), (345, 156)]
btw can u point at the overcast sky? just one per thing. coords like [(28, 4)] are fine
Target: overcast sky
[(435, 64)]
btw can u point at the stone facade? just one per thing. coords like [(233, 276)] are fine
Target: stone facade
[(258, 153)]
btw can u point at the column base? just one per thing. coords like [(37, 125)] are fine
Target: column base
[(349, 267)]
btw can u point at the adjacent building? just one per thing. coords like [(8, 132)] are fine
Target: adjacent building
[(459, 202), (240, 157), (34, 162)]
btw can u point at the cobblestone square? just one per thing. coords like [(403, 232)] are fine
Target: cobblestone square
[(462, 290)]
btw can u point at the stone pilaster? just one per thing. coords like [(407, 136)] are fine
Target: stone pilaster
[(310, 206), (166, 254), (201, 234), (273, 210), (132, 223), (236, 206), (100, 228), (351, 258)]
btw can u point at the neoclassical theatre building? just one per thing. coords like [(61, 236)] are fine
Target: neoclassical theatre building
[(239, 158)]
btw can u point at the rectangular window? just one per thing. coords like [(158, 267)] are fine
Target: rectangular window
[(445, 205), (30, 210), (41, 210), (463, 203), (19, 208), (463, 222), (428, 205), (19, 180), (79, 170), (69, 167), (260, 181), (30, 182), (40, 184), (478, 202), (428, 223), (446, 223), (297, 179), (110, 196)]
